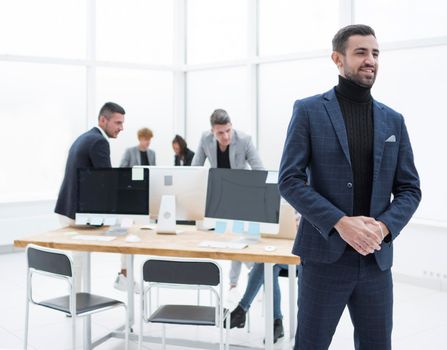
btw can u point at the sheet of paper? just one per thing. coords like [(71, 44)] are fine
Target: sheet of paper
[(137, 174)]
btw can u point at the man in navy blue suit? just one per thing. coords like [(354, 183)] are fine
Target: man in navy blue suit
[(90, 150), (347, 168)]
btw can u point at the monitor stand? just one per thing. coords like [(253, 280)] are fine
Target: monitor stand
[(166, 223)]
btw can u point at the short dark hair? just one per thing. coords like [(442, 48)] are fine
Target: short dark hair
[(109, 108), (219, 117), (181, 142), (342, 36)]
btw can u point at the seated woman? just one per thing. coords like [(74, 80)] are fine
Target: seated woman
[(255, 281), (183, 155)]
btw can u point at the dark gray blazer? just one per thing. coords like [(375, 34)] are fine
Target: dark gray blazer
[(90, 150), (132, 157), (315, 176), (242, 152)]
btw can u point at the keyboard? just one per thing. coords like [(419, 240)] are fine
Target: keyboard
[(94, 238), (223, 245)]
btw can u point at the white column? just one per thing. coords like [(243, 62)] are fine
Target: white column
[(90, 67), (252, 68), (179, 61)]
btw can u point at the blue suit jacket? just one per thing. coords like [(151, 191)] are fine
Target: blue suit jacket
[(90, 150), (316, 178)]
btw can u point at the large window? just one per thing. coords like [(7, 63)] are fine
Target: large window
[(288, 26), (217, 30), (42, 108), (49, 28), (135, 31), (399, 20)]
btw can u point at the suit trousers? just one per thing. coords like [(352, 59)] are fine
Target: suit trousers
[(324, 291)]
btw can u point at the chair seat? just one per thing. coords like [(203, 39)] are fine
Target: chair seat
[(85, 302), (185, 314)]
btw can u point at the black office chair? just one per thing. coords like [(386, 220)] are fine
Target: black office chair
[(57, 264), (183, 274)]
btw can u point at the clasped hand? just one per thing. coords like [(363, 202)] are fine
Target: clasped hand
[(362, 233)]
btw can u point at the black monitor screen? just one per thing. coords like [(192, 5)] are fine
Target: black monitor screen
[(112, 191), (242, 195)]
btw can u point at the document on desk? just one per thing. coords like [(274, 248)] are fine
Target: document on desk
[(223, 245), (94, 238)]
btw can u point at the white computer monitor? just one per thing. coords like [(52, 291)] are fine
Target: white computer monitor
[(245, 202), (183, 187), (112, 196)]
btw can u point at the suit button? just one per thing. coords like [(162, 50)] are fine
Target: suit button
[(349, 185)]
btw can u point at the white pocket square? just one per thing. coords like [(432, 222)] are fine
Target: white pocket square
[(392, 138)]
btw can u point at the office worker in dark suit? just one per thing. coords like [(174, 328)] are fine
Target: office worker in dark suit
[(183, 155), (347, 168), (90, 150)]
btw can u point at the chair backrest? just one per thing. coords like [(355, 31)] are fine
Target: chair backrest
[(48, 260), (204, 273)]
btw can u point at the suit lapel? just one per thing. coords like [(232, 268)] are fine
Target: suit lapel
[(380, 133), (137, 155), (213, 152), (333, 109), (233, 150)]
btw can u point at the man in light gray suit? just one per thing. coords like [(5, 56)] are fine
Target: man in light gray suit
[(141, 154), (225, 147)]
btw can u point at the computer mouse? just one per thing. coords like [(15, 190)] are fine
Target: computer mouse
[(132, 238), (269, 248)]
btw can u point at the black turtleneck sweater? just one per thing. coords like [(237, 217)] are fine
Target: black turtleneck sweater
[(356, 106)]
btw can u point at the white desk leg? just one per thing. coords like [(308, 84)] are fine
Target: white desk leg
[(130, 291), (292, 301), (87, 288), (268, 284)]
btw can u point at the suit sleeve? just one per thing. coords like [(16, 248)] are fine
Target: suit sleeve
[(154, 158), (125, 161), (293, 178), (406, 189), (199, 156), (252, 156), (100, 154)]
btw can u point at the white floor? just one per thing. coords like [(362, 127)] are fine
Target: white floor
[(420, 315)]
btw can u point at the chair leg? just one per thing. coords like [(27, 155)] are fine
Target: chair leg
[(227, 331), (143, 313), (25, 341), (73, 325), (126, 330), (221, 342), (164, 337)]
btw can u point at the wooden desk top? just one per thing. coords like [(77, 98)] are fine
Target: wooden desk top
[(185, 244)]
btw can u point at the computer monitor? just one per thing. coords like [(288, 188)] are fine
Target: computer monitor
[(243, 201), (181, 189), (111, 196)]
